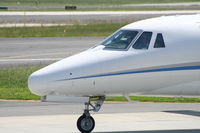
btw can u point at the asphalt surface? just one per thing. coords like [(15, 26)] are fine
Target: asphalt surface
[(37, 117), (74, 19), (70, 18), (20, 52), (25, 108), (188, 5)]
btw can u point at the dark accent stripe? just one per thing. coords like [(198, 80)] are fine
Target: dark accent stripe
[(141, 71)]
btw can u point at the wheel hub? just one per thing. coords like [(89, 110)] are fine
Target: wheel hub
[(86, 124)]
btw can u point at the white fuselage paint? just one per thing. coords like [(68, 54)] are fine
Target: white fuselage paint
[(173, 70)]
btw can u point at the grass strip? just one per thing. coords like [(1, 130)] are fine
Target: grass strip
[(60, 31), (99, 9), (13, 85), (156, 99), (131, 9), (85, 2)]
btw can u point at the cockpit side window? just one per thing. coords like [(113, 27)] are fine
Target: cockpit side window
[(159, 43), (143, 41), (120, 40)]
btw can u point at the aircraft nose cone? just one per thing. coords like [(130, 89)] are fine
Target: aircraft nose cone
[(37, 82)]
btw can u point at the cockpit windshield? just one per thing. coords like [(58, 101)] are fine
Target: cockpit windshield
[(120, 39)]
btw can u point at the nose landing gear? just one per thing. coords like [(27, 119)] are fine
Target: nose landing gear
[(86, 123)]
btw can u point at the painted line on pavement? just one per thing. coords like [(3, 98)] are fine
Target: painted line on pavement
[(44, 59), (35, 55), (97, 13)]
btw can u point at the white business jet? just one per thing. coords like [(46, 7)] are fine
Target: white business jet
[(159, 56)]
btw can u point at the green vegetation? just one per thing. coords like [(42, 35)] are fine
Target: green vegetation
[(85, 2), (129, 9), (13, 85), (91, 5), (156, 99), (96, 9), (61, 31)]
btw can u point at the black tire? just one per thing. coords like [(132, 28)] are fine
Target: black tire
[(84, 127)]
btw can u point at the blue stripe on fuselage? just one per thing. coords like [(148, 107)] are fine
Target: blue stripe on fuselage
[(140, 71)]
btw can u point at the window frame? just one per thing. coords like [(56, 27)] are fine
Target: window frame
[(162, 39), (149, 46), (130, 45)]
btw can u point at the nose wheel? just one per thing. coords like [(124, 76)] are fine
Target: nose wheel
[(86, 123)]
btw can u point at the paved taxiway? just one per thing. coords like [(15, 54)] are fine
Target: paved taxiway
[(16, 52), (187, 5), (90, 17), (37, 117)]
